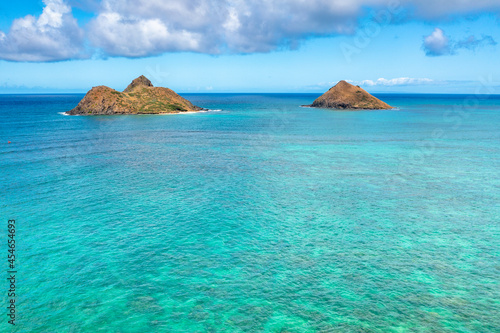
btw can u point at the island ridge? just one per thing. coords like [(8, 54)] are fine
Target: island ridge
[(140, 97)]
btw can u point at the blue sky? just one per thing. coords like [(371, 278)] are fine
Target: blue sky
[(423, 46)]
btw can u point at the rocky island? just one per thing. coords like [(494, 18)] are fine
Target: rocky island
[(140, 97), (348, 97)]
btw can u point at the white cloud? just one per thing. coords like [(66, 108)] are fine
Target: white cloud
[(400, 81), (142, 28), (54, 36), (438, 44), (120, 36)]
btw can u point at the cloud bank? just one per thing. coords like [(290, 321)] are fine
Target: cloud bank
[(401, 81), (438, 44), (141, 28)]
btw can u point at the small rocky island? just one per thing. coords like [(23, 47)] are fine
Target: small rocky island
[(140, 97), (346, 96)]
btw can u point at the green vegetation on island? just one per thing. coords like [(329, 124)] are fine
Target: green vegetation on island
[(140, 97)]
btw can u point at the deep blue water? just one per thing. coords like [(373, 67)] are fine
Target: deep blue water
[(261, 217)]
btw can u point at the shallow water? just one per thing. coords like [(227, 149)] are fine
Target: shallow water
[(262, 217)]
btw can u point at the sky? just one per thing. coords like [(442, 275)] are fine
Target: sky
[(209, 46)]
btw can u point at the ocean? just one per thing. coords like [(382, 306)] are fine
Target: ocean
[(257, 216)]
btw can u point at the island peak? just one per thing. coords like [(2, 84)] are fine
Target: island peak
[(141, 81), (349, 97)]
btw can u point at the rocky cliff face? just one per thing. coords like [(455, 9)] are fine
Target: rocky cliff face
[(140, 97), (346, 96)]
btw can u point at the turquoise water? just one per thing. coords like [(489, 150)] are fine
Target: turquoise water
[(261, 217)]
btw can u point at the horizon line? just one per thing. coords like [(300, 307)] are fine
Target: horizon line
[(255, 93)]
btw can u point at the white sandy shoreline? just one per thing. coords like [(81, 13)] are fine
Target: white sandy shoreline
[(144, 114)]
